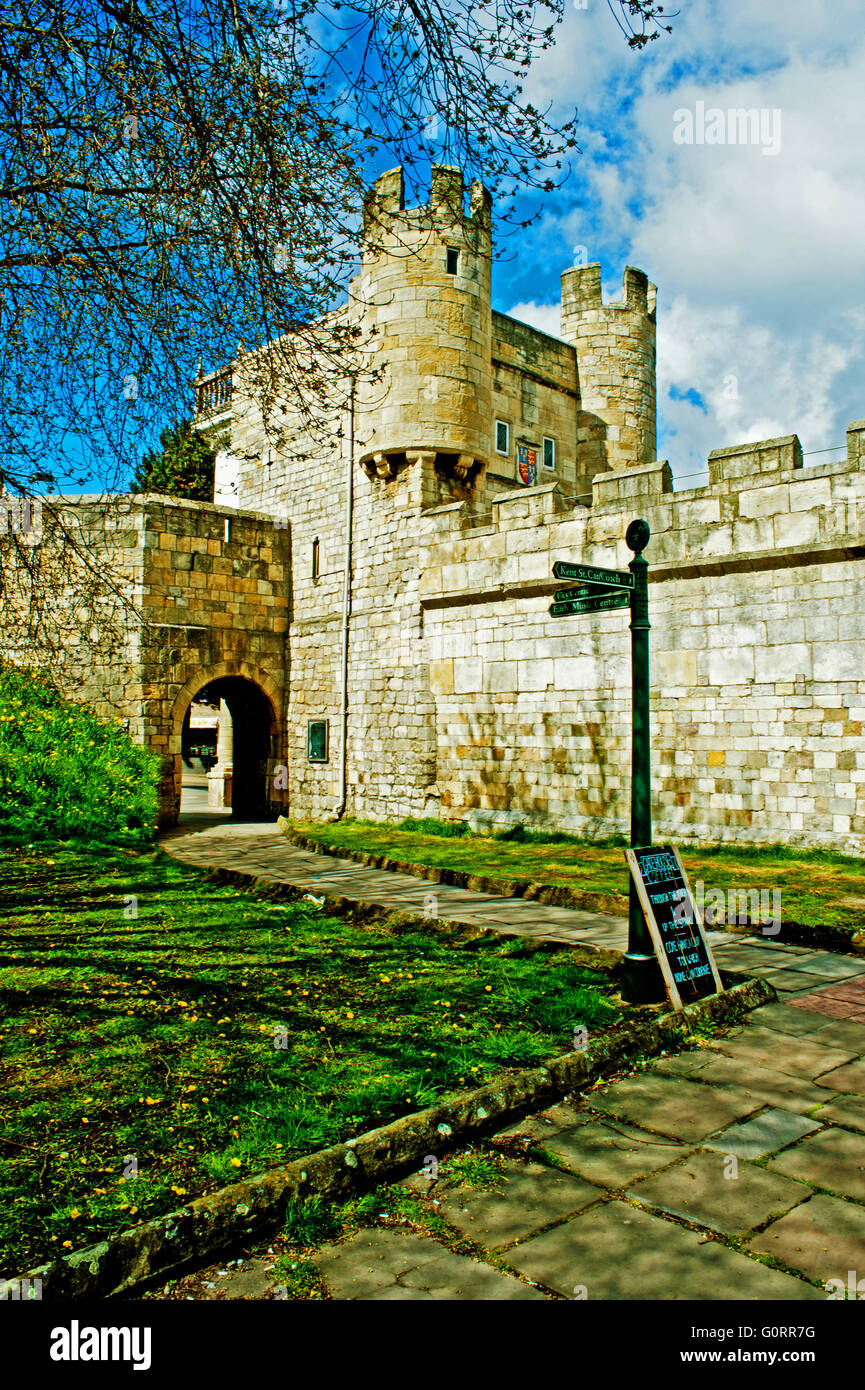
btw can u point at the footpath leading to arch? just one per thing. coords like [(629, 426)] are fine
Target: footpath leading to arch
[(730, 1171), (262, 850)]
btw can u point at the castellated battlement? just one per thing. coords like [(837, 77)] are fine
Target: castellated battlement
[(478, 453), (757, 597), (615, 345), (759, 498), (581, 291), (385, 212)]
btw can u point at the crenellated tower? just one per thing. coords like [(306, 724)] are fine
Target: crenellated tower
[(424, 289), (615, 346)]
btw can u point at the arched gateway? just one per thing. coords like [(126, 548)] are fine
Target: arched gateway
[(251, 698)]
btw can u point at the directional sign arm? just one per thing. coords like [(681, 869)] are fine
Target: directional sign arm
[(582, 591), (593, 574), (594, 603)]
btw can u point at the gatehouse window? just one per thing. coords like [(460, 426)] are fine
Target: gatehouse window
[(502, 437), (316, 740), (315, 549), (549, 453), (453, 260)]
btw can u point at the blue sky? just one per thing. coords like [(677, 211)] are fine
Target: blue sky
[(759, 258)]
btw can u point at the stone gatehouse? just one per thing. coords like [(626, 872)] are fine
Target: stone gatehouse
[(379, 622)]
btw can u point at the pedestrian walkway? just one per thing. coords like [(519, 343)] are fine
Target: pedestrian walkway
[(681, 1180), (263, 850)]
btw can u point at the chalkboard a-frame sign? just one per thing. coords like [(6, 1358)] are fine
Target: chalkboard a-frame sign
[(674, 924)]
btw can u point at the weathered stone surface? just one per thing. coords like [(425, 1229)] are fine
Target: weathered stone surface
[(793, 982), (841, 1033), (676, 1107), (847, 1078), (619, 1252), (834, 1159), (386, 1264), (706, 1189), (612, 1154), (251, 1280), (524, 1199), (848, 1111), (764, 1134), (799, 1057), (824, 1237), (831, 967), (784, 1018), (763, 1085)]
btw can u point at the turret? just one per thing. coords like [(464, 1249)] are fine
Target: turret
[(425, 291), (615, 346)]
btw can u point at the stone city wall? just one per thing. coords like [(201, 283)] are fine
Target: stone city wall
[(170, 596), (757, 596)]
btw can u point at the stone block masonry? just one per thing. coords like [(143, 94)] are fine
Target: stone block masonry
[(465, 699), (190, 594), (758, 663), (214, 604)]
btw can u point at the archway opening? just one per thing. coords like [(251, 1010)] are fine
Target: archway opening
[(227, 742)]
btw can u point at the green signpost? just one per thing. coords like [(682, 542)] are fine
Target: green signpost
[(579, 602), (591, 574), (642, 981)]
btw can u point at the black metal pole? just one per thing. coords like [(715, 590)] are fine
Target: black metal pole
[(642, 981)]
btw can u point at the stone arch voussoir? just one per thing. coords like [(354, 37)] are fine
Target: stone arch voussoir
[(206, 676)]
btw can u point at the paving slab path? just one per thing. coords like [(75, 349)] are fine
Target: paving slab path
[(735, 1170), (263, 850)]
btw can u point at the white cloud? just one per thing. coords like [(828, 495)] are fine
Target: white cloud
[(546, 317), (759, 260), (729, 363)]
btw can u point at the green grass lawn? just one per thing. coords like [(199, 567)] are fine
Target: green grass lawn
[(815, 885), (151, 1017)]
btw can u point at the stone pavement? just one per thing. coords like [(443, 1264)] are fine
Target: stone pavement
[(262, 849), (733, 1171)]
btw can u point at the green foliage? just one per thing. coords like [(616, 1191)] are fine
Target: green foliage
[(474, 1169), (182, 467), (310, 1220), (219, 1032), (299, 1279), (521, 835), (67, 775), (445, 829), (818, 886)]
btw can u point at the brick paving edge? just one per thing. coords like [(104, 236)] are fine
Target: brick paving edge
[(194, 1234)]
